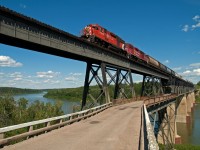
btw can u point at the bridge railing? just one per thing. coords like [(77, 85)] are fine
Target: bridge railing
[(48, 124), (149, 137), (157, 99)]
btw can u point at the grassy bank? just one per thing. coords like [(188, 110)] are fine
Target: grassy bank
[(197, 99), (71, 94), (182, 147)]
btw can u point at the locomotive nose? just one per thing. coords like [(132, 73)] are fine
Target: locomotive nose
[(87, 31)]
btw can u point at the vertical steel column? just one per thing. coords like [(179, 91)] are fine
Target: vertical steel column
[(167, 122), (131, 84), (105, 87), (117, 83), (154, 88), (143, 83), (86, 84)]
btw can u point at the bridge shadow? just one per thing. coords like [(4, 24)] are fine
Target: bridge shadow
[(126, 107), (95, 122)]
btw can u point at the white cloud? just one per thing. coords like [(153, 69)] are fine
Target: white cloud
[(192, 27), (187, 72), (196, 26), (48, 74), (2, 74), (166, 61), (185, 28), (75, 77), (51, 81), (6, 61), (16, 75), (197, 71), (194, 65), (23, 6), (46, 81), (75, 74), (196, 18), (177, 68), (17, 79), (71, 78), (191, 73)]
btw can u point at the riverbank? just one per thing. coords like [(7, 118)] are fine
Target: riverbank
[(182, 147), (69, 94), (5, 91), (197, 99)]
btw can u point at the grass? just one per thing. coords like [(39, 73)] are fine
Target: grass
[(197, 99), (182, 147)]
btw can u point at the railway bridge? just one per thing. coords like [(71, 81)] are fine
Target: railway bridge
[(140, 123)]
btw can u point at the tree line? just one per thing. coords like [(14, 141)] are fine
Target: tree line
[(16, 112)]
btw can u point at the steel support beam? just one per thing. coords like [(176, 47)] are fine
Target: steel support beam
[(151, 86)]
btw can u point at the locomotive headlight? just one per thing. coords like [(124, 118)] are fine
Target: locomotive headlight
[(123, 46)]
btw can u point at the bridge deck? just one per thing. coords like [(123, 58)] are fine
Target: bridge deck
[(116, 128)]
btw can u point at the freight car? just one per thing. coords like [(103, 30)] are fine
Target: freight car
[(134, 52), (153, 62), (163, 67)]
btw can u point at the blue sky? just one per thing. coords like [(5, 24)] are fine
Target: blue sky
[(168, 30)]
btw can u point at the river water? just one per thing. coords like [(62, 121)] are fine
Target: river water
[(190, 133), (67, 106)]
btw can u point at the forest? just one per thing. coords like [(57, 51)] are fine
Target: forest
[(14, 91), (75, 94)]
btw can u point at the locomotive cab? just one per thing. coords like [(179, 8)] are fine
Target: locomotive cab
[(99, 35)]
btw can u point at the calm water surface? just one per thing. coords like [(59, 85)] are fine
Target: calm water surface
[(190, 133), (67, 106)]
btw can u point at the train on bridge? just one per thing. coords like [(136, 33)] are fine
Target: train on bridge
[(94, 33)]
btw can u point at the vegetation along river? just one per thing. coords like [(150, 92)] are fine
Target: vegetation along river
[(67, 106)]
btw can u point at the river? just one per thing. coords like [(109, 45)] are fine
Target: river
[(190, 133), (67, 106)]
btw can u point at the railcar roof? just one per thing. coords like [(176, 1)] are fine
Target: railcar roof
[(97, 25)]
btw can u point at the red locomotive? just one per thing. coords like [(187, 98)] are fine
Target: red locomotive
[(99, 35)]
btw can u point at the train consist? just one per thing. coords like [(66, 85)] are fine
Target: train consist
[(99, 35)]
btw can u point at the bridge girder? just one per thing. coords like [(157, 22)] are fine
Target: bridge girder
[(105, 75)]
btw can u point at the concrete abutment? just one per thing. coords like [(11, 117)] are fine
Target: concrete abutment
[(183, 113)]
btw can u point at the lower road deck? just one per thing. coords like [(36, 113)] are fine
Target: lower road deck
[(116, 128)]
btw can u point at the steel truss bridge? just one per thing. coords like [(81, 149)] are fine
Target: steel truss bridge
[(160, 89)]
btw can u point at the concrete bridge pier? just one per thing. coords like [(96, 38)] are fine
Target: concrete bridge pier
[(184, 108), (183, 115), (193, 99)]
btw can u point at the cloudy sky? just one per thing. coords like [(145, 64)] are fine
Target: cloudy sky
[(168, 30)]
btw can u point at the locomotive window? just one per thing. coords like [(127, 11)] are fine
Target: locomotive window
[(101, 29), (112, 35), (96, 28)]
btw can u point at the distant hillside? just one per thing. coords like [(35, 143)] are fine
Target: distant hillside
[(75, 94), (15, 91)]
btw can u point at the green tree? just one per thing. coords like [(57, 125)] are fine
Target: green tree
[(7, 109)]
